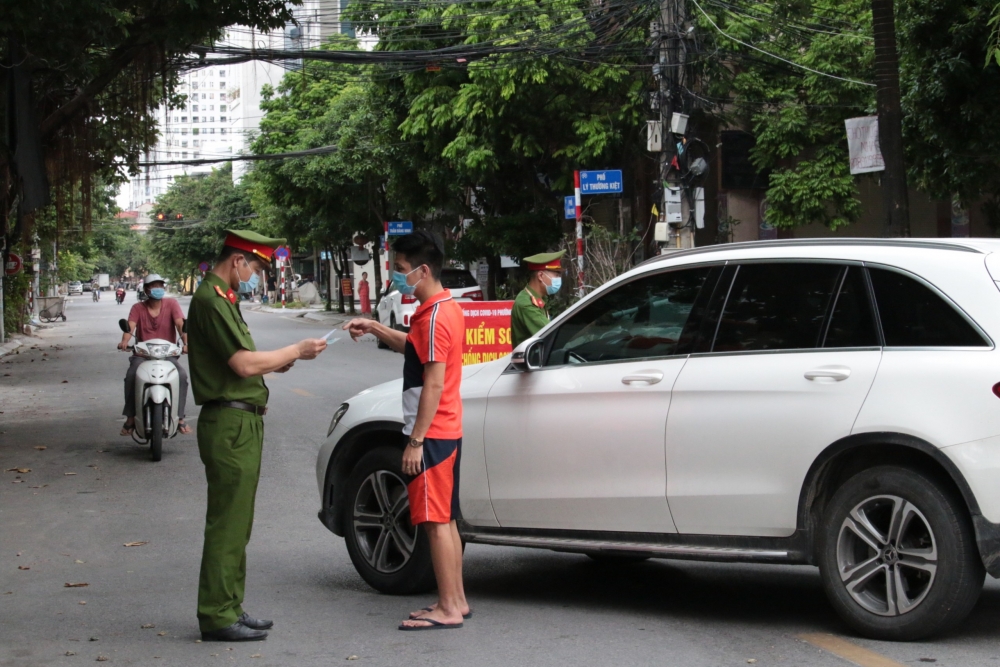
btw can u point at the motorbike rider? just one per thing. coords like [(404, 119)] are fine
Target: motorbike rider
[(157, 316), (96, 291), (120, 294)]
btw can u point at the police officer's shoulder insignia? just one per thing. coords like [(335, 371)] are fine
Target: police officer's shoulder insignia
[(228, 294), (536, 302)]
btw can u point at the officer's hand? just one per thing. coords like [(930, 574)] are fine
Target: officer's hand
[(359, 327), (311, 347), (413, 460)]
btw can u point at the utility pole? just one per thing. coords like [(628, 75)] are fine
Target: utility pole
[(895, 198)]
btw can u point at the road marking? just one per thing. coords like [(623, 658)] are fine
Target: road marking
[(303, 392), (848, 651)]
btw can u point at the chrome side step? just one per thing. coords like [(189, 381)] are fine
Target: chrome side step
[(653, 549)]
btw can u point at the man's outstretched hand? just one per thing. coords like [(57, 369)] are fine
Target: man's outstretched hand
[(310, 348), (359, 326)]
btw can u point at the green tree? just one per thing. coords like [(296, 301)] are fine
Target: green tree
[(209, 204)]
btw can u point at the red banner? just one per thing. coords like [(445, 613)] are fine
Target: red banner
[(487, 331)]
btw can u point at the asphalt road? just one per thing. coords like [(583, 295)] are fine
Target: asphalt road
[(90, 491)]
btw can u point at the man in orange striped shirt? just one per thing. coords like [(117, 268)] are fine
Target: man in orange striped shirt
[(432, 411)]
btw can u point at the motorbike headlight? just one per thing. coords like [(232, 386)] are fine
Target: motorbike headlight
[(159, 350), (337, 416)]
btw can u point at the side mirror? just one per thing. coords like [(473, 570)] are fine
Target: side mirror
[(528, 355), (123, 325)]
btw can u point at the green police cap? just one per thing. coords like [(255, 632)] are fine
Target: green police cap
[(545, 261), (258, 244)]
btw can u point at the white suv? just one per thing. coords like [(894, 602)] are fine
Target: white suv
[(833, 402), (395, 309)]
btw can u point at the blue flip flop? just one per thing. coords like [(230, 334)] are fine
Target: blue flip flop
[(429, 609), (434, 625)]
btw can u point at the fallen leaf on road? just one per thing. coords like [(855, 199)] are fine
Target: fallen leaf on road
[(70, 653), (41, 447), (197, 641), (134, 544), (78, 562), (352, 657), (91, 465), (92, 639), (752, 661), (256, 655), (161, 634), (66, 382), (17, 481), (83, 602), (20, 470), (75, 585), (147, 626), (23, 567), (102, 658), (69, 473)]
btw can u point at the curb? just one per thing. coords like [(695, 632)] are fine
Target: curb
[(332, 317), (9, 347)]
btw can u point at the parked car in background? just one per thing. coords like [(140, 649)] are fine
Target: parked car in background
[(395, 309), (87, 287), (75, 287), (827, 402)]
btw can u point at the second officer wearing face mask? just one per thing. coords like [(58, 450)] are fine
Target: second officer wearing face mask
[(530, 312), (157, 317)]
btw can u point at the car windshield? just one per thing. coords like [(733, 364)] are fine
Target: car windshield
[(457, 279)]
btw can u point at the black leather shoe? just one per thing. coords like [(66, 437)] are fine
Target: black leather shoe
[(237, 632), (255, 623)]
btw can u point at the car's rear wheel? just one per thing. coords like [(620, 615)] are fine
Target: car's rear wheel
[(389, 553), (898, 555)]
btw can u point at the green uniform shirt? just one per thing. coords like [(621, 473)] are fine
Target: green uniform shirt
[(216, 331), (528, 316)]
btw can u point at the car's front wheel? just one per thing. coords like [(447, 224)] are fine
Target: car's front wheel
[(389, 553), (898, 555)]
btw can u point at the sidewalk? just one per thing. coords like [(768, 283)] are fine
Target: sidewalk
[(15, 341), (316, 314)]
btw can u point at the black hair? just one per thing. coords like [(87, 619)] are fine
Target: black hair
[(228, 251), (422, 247)]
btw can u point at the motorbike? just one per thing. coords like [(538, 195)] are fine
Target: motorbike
[(96, 294), (120, 296), (157, 386)]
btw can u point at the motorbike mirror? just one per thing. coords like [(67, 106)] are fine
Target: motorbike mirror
[(123, 325)]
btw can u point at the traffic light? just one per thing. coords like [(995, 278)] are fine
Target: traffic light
[(160, 217)]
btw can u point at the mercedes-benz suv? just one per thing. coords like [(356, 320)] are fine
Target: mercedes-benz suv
[(824, 402)]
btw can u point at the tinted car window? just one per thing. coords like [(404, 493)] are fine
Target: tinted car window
[(641, 319), (852, 323), (779, 306), (913, 315), (457, 279)]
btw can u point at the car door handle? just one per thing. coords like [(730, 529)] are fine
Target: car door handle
[(647, 378), (834, 373)]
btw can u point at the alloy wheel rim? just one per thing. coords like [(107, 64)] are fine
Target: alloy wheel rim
[(382, 527), (887, 555)]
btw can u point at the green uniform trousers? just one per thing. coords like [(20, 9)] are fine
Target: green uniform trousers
[(230, 443)]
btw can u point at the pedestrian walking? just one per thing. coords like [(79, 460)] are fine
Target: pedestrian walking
[(364, 294), (227, 379), (432, 411), (530, 312), (272, 286)]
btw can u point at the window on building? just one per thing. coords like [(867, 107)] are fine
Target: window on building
[(222, 107), (185, 153), (211, 96), (222, 84), (184, 119), (222, 130), (194, 119), (184, 130), (195, 154), (184, 145), (222, 97), (170, 178), (194, 85), (195, 143), (203, 96), (222, 119), (195, 108), (222, 72), (211, 119), (211, 130)]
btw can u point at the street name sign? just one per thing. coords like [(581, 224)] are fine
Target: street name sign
[(400, 227), (604, 182), (569, 207)]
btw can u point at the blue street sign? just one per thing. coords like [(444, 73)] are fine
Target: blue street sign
[(400, 227), (569, 207), (282, 252), (604, 182)]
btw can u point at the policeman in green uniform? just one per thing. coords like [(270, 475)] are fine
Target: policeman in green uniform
[(530, 312), (227, 381)]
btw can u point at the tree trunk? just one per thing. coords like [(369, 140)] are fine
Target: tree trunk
[(895, 198), (329, 280), (348, 275), (338, 266), (493, 262)]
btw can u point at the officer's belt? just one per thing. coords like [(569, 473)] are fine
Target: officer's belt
[(240, 405)]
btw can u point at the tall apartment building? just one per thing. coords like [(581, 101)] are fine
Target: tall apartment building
[(222, 112)]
